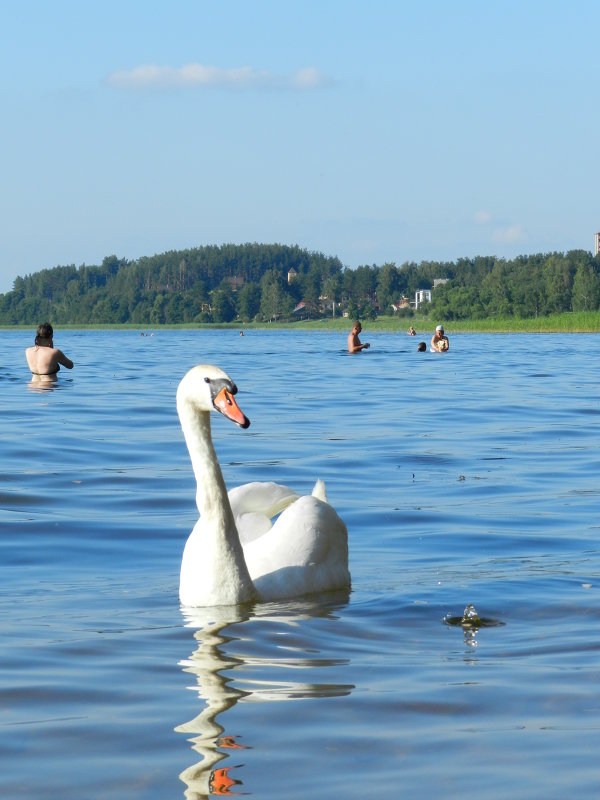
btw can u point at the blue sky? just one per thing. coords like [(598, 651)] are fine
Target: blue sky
[(374, 131)]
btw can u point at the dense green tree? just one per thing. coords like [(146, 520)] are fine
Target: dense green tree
[(388, 286), (365, 283), (332, 287), (493, 292), (248, 301), (352, 310), (271, 303), (311, 283), (223, 307), (528, 298), (557, 276), (157, 315), (586, 289)]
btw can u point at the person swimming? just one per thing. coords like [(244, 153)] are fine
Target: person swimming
[(439, 341), (44, 360)]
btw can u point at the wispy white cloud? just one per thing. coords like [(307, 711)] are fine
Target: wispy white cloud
[(153, 76), (308, 78), (506, 234), (509, 235)]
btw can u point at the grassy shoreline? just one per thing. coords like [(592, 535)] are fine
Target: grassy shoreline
[(571, 322)]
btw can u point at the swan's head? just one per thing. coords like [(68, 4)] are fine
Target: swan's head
[(208, 388)]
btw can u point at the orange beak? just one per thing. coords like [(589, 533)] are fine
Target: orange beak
[(225, 403)]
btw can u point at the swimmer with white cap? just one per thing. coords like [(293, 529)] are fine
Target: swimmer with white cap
[(439, 340)]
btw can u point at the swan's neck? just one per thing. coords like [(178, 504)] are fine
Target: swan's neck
[(211, 492), (215, 565)]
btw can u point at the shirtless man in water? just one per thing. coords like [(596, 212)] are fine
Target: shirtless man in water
[(43, 358), (354, 343)]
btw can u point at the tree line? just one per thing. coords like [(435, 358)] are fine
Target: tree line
[(262, 282)]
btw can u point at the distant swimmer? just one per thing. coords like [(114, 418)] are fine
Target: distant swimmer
[(412, 331), (43, 358), (439, 341), (354, 343)]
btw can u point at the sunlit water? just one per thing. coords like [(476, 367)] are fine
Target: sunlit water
[(466, 478)]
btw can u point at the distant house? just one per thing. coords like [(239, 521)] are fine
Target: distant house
[(402, 303), (236, 282), (306, 309), (422, 296), (292, 275), (439, 282)]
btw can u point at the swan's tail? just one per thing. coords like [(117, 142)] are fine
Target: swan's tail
[(319, 491)]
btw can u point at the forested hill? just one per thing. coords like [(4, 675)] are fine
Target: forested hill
[(277, 282), (201, 284)]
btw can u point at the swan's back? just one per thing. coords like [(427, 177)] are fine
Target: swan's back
[(305, 551)]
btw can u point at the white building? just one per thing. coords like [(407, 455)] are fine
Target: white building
[(422, 296), (596, 244)]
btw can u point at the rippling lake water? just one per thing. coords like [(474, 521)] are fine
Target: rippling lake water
[(469, 477)]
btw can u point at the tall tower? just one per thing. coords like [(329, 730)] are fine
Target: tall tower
[(596, 244)]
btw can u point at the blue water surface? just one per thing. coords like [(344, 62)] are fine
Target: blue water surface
[(466, 477)]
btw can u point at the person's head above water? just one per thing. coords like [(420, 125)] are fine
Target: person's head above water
[(421, 347), (44, 332)]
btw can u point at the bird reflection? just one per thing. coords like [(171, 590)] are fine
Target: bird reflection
[(224, 679)]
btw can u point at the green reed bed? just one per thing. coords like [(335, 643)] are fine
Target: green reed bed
[(570, 322)]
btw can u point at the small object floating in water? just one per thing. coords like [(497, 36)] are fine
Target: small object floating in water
[(471, 619)]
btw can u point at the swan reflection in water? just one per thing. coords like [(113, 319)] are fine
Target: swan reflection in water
[(224, 678)]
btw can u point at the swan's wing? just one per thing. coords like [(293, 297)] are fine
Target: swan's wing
[(269, 498), (305, 551), (255, 504)]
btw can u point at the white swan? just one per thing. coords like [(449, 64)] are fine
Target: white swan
[(235, 553)]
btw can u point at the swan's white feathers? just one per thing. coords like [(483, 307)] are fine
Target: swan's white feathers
[(200, 581), (319, 491), (195, 388), (236, 553), (255, 504), (305, 551)]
